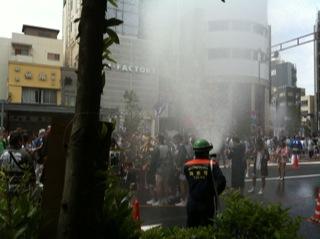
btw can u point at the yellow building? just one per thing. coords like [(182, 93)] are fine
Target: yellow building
[(34, 83), (34, 67)]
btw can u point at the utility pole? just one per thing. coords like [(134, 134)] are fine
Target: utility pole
[(2, 114), (298, 41), (292, 43)]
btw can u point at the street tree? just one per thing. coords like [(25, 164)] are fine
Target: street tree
[(83, 196), (133, 112)]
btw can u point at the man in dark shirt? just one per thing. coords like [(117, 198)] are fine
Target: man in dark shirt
[(238, 165), (206, 182)]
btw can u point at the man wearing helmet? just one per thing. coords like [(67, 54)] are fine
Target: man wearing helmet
[(206, 181)]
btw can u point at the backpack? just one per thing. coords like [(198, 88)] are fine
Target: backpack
[(15, 167)]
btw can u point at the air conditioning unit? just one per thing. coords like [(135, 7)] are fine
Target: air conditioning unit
[(42, 77), (28, 75)]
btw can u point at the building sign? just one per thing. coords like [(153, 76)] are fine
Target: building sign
[(133, 68)]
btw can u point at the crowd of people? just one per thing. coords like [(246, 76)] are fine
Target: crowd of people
[(22, 152), (257, 151), (155, 166), (171, 169)]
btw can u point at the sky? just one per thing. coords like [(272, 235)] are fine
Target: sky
[(288, 19)]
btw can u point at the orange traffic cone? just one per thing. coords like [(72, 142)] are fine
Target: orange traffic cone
[(295, 163), (316, 217), (136, 210)]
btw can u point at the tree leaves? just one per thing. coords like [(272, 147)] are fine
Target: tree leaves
[(113, 2), (113, 37), (112, 22)]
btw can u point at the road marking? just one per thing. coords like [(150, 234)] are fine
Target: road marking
[(300, 163), (276, 164), (287, 177), (148, 227)]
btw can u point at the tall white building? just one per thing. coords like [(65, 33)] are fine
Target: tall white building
[(127, 10), (135, 67), (36, 45), (235, 45), (5, 44), (217, 62), (199, 59)]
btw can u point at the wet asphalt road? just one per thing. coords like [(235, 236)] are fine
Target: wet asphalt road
[(296, 192)]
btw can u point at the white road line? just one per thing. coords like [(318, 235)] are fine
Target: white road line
[(148, 227), (287, 177), (288, 164), (300, 163)]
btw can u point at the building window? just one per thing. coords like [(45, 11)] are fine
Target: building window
[(304, 113), (259, 29), (21, 50), (70, 100), (39, 96), (218, 26), (241, 26), (241, 53), (260, 56), (53, 56), (218, 53), (68, 81)]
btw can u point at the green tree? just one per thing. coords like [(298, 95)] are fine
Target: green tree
[(133, 112), (81, 211)]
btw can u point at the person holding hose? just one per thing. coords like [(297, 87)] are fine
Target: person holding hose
[(206, 181)]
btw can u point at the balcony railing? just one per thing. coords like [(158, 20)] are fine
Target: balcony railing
[(21, 58)]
